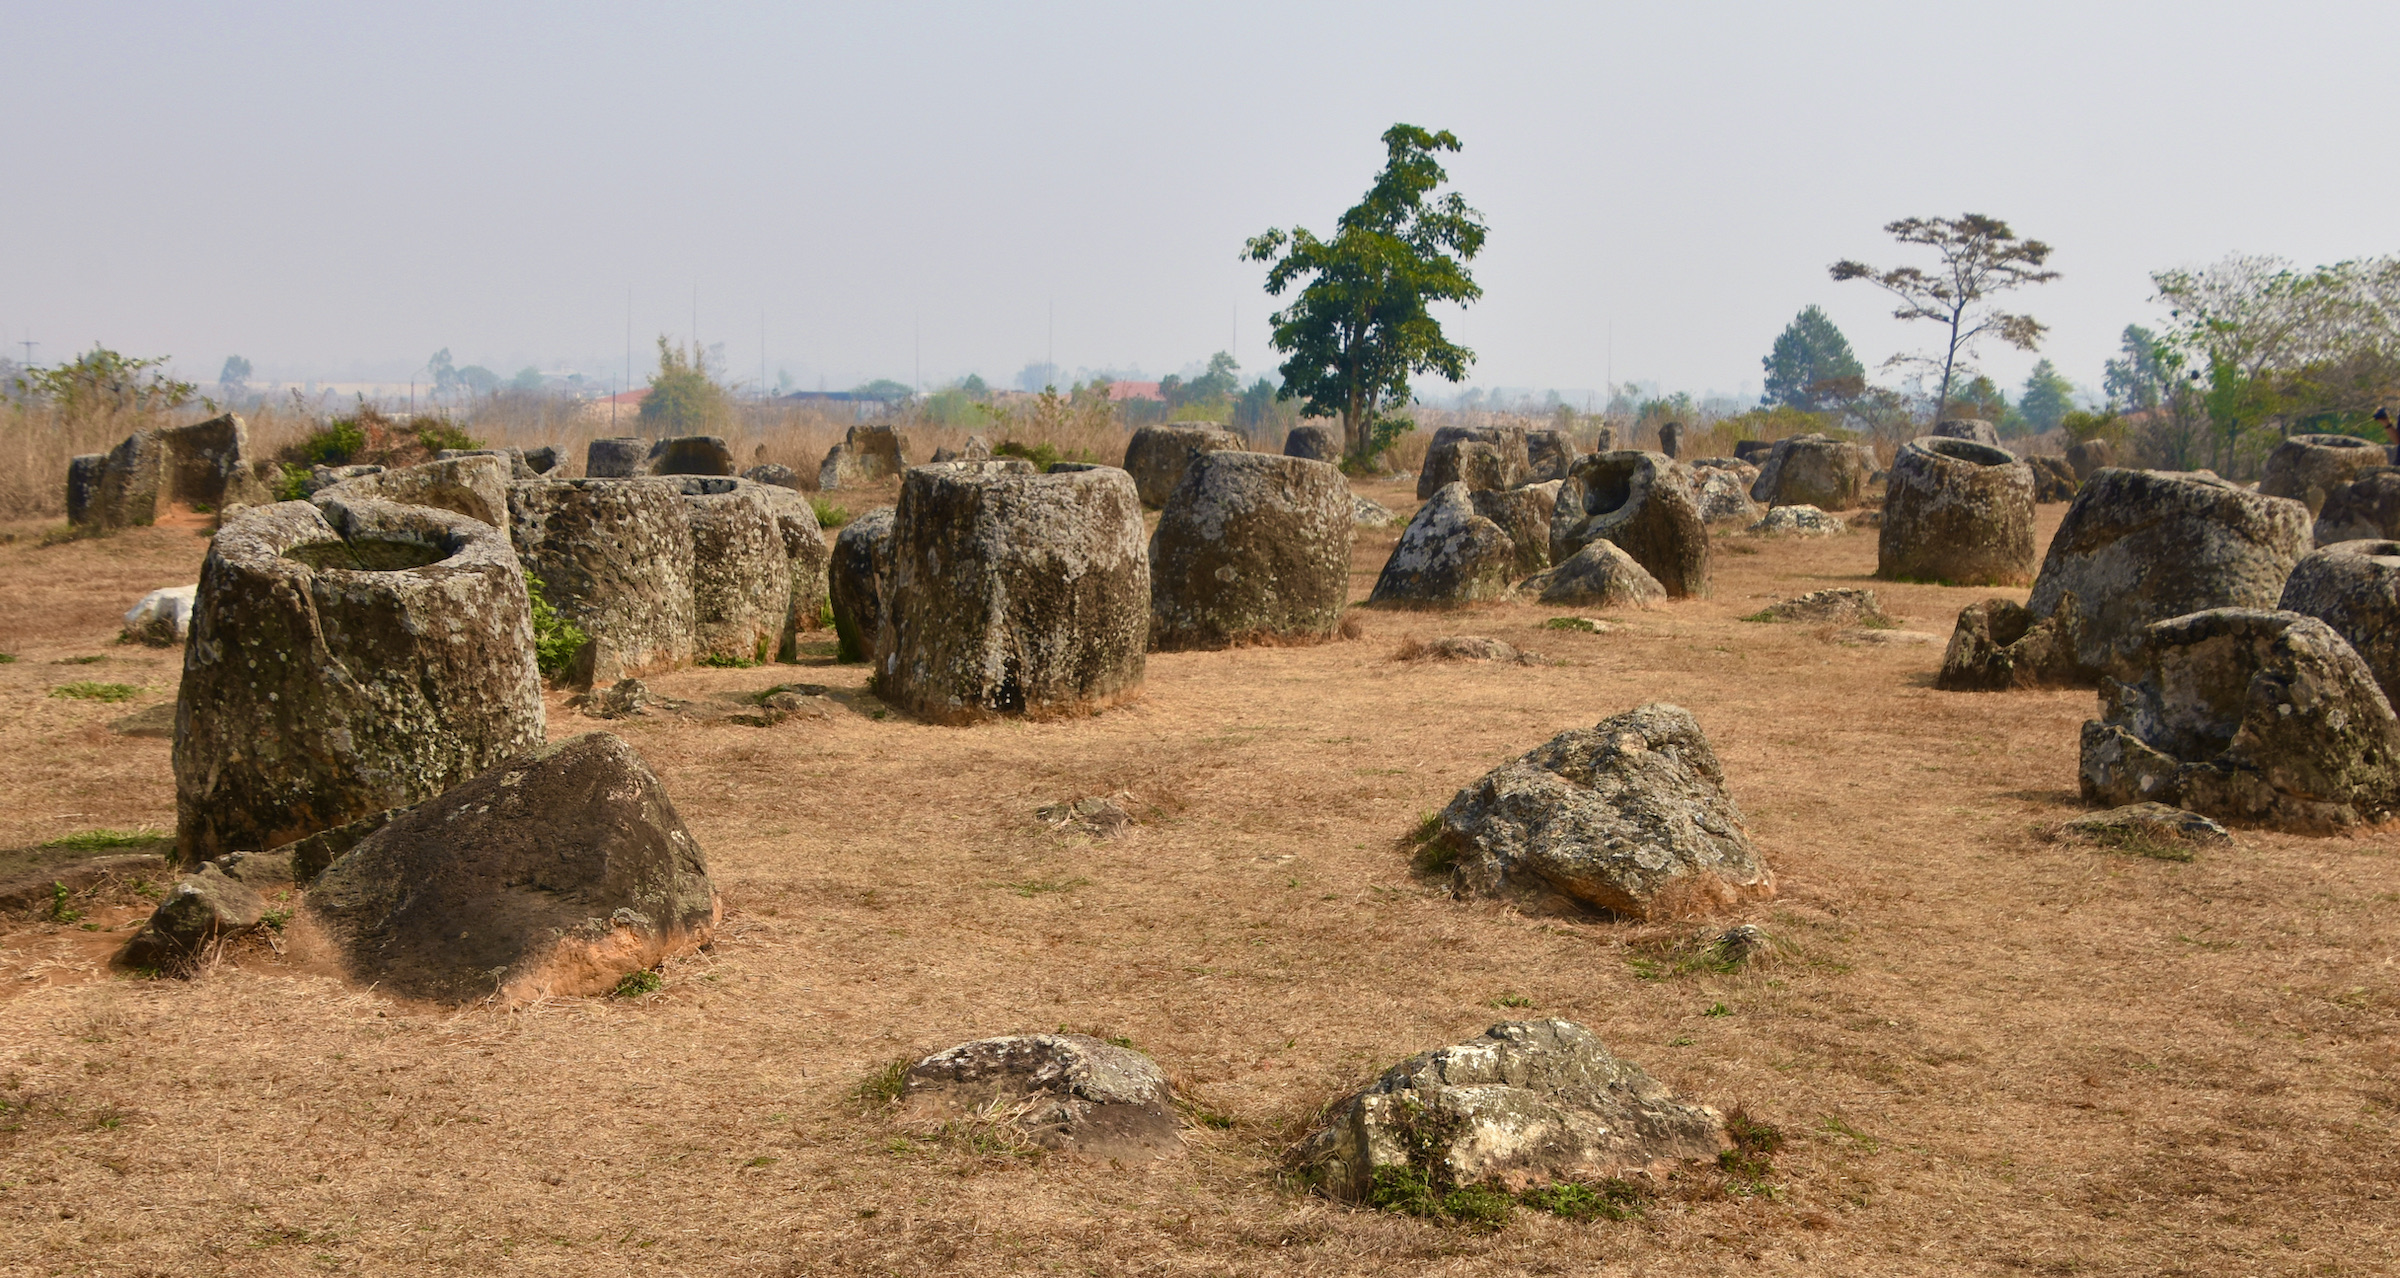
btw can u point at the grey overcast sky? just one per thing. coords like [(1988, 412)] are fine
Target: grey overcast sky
[(335, 191)]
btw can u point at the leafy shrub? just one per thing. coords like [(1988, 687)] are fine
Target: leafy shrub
[(829, 515), (95, 840), (291, 484), (435, 434), (556, 639), (334, 443), (1611, 1199), (638, 983)]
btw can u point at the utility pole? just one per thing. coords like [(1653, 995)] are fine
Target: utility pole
[(29, 352), (919, 329)]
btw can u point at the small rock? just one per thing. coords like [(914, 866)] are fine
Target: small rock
[(1461, 648), (1314, 443), (1601, 575), (620, 700), (1367, 513), (200, 909), (1065, 1092), (1798, 521), (163, 618), (773, 473), (1866, 634), (153, 722), (2152, 823), (1840, 605), (1100, 816), (1447, 556)]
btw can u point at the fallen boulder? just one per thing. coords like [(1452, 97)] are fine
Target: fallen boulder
[(2307, 468), (1722, 496), (1527, 1105), (690, 455), (1370, 514), (200, 910), (854, 581), (1999, 644), (775, 474), (2365, 507), (1065, 1092), (1632, 499), (614, 557), (1630, 816), (343, 660), (1505, 466), (1013, 593), (1448, 555), (1957, 512), (1250, 547), (474, 485), (163, 618), (1797, 521), (2053, 479), (1157, 455), (2258, 717), (1312, 443), (1601, 575), (2354, 587), (1524, 513), (1814, 470)]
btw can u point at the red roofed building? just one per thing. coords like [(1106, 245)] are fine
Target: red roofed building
[(1119, 392)]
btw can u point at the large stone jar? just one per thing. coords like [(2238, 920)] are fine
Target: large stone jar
[(741, 573), (1250, 547), (615, 557), (1957, 511), (1634, 499), (346, 660)]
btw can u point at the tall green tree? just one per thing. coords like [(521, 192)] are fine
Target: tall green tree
[(1361, 324), (683, 398), (2137, 379), (1812, 367), (1979, 257), (2047, 399)]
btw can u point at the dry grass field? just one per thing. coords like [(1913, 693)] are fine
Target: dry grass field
[(1988, 1053)]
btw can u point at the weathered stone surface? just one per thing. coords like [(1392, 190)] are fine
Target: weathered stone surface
[(1549, 454), (2307, 468), (1524, 514), (623, 699), (1314, 443), (855, 580), (976, 448), (2139, 546), (200, 910), (1601, 575), (741, 573), (1066, 1092), (522, 463), (866, 455), (1157, 455), (1957, 512), (1370, 514), (2364, 508), (321, 478), (615, 557), (2089, 455), (1447, 555), (1632, 499), (554, 874), (1838, 605), (1630, 816), (619, 458), (805, 553), (1250, 546), (1670, 439), (344, 660), (1722, 495), (690, 455), (1506, 466), (1754, 451), (2354, 587), (2246, 715), (1528, 1104), (163, 618), (204, 464), (1814, 470), (1797, 521), (1972, 429), (1462, 648), (2053, 479), (774, 474), (1013, 594), (1999, 644), (2152, 824), (1101, 816), (473, 485)]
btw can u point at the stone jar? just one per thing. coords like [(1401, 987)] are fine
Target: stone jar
[(1250, 547), (1959, 512)]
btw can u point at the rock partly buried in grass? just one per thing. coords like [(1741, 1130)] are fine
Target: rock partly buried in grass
[(474, 485), (1958, 512), (1460, 648), (1634, 499), (2307, 468), (1448, 555), (1601, 575), (163, 618), (1250, 547), (2139, 546), (1523, 513), (1528, 1104), (2257, 717), (1065, 1092), (615, 557), (2354, 587), (1797, 521), (1630, 816), (620, 700), (1156, 456), (1998, 644), (2365, 508), (1312, 443), (1100, 816), (2147, 829), (552, 875), (1481, 457), (200, 910), (1013, 594), (1838, 605), (854, 582), (345, 660)]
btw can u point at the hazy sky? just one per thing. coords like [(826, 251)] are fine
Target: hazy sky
[(338, 190)]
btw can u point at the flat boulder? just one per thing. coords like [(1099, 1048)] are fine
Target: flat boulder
[(1797, 521), (1367, 513), (201, 910), (1013, 593), (2246, 715), (614, 556), (1601, 575), (1814, 470), (1066, 1092), (1448, 555), (1836, 605), (2365, 507), (1250, 547), (555, 874), (690, 455), (2138, 546), (1958, 512), (1462, 648), (2354, 587), (344, 660), (1630, 816), (1156, 456), (1637, 501), (522, 463), (1523, 513), (855, 579), (2307, 468), (162, 618), (2146, 827), (1312, 443), (1481, 457), (1526, 1105)]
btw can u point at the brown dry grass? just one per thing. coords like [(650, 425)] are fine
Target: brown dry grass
[(1991, 1053)]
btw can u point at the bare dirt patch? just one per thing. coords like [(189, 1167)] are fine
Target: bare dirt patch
[(1988, 1052)]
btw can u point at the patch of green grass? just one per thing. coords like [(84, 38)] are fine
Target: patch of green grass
[(8, 658), (1510, 1000), (274, 920), (556, 639), (1043, 456), (61, 907), (1213, 1120), (1611, 1199), (1750, 1162), (763, 1160), (1718, 1009), (883, 1087), (1038, 887), (828, 515), (1877, 621), (636, 984), (1433, 855), (721, 662), (86, 690), (436, 435), (825, 615), (95, 840), (1836, 1127), (78, 661), (292, 483), (1685, 1041), (1762, 615), (1584, 624)]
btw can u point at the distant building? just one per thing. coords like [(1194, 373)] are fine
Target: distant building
[(1119, 392)]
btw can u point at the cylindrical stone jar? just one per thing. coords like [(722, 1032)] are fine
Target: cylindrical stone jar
[(1959, 512), (2354, 587), (621, 458), (346, 660), (1250, 547), (741, 573), (615, 557), (2307, 468)]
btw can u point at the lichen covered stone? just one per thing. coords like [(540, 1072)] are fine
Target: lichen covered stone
[(1250, 546), (1958, 512)]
